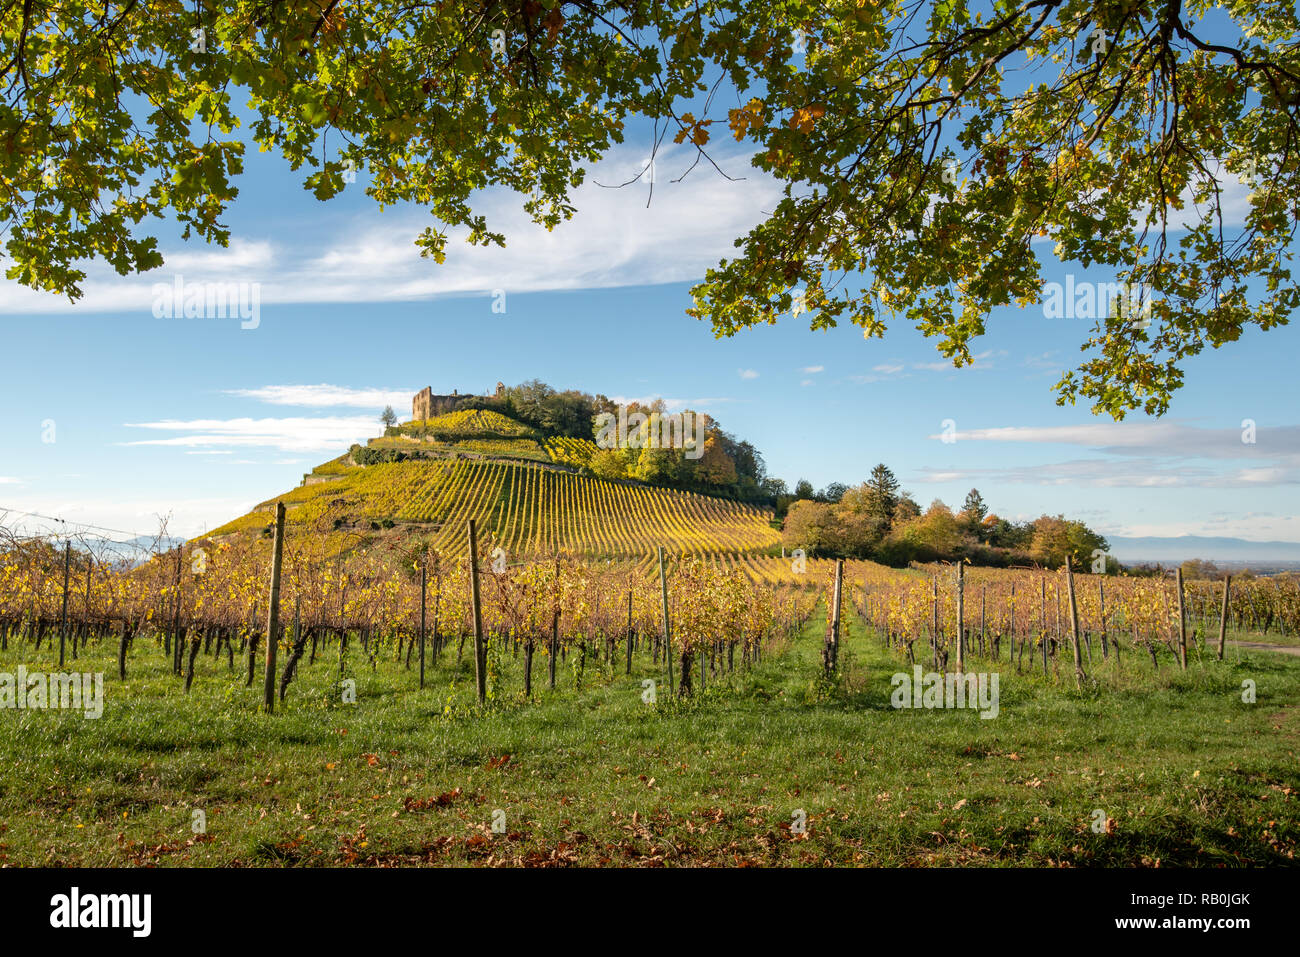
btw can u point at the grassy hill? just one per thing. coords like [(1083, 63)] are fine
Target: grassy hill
[(524, 489)]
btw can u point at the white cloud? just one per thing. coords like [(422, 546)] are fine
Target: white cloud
[(1122, 473), (884, 372), (290, 434), (318, 396), (812, 370), (240, 254), (1163, 438), (10, 480), (187, 517), (747, 373), (1043, 360), (979, 360), (613, 240)]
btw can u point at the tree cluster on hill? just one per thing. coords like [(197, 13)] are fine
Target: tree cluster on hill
[(365, 455), (727, 466), (724, 465), (881, 521)]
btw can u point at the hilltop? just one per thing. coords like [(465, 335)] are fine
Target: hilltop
[(532, 489)]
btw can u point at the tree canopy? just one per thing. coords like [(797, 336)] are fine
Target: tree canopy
[(878, 520), (929, 151)]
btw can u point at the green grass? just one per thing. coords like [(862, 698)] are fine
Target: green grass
[(1187, 772)]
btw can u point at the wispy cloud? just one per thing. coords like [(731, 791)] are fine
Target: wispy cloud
[(1107, 473), (185, 516), (1163, 454), (320, 396), (884, 372), (289, 434), (812, 370), (613, 240), (1043, 360), (1158, 439), (979, 360), (747, 373)]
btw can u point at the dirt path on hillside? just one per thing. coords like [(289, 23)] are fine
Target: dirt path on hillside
[(1261, 646)]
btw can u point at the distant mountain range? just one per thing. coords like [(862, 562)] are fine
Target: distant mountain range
[(1184, 547)]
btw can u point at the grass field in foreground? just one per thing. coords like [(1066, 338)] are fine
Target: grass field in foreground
[(1185, 771)]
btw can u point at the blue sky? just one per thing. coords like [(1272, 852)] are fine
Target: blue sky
[(201, 419)]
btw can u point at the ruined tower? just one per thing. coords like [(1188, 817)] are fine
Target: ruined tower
[(421, 404), (426, 404)]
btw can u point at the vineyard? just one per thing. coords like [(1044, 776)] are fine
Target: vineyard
[(530, 494), (1027, 611), (466, 422), (526, 509), (575, 453), (210, 594), (407, 670)]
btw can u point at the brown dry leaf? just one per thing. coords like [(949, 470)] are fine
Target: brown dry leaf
[(553, 21)]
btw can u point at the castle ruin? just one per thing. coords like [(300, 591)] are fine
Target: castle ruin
[(426, 405)]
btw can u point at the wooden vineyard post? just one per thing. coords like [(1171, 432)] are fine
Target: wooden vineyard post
[(63, 625), (480, 656), (629, 631), (831, 654), (1042, 621), (961, 618), (934, 619), (554, 648), (668, 635), (1056, 640), (1101, 617), (1182, 622), (424, 581), (176, 617), (273, 613), (121, 650), (1074, 624), (1011, 627), (90, 567), (1223, 615), (983, 630)]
